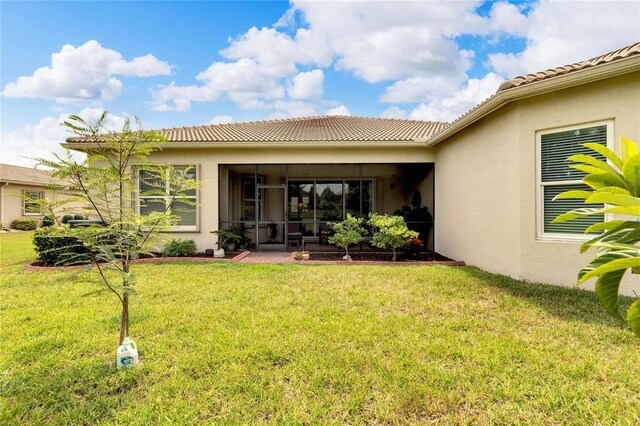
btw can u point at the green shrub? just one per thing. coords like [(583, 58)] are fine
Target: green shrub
[(59, 246), (180, 248), (64, 246), (47, 221), (347, 232), (66, 218), (391, 232), (78, 217), (25, 224)]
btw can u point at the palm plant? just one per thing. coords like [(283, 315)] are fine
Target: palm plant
[(616, 184)]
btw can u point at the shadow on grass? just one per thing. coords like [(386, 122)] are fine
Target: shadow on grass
[(570, 304), (91, 391)]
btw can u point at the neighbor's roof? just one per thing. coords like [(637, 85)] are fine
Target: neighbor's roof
[(625, 52), (331, 128), (24, 175)]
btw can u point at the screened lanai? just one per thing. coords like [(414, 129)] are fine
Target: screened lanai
[(283, 206)]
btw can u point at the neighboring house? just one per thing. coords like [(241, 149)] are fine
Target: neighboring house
[(487, 178), (15, 183)]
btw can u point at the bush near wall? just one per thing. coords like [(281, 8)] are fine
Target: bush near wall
[(48, 220), (25, 224), (59, 246), (180, 248)]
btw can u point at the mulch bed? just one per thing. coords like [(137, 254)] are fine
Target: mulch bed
[(376, 258), (317, 258), (228, 257)]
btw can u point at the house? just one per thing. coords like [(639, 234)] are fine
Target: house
[(16, 183), (487, 179)]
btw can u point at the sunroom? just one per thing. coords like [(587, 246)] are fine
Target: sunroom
[(283, 207)]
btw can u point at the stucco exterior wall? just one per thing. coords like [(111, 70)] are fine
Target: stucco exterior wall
[(11, 205), (477, 195), (486, 181), (208, 160)]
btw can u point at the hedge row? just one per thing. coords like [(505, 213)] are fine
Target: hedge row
[(62, 246), (25, 224)]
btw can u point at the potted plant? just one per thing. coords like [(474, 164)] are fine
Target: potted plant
[(243, 240), (225, 238), (302, 254)]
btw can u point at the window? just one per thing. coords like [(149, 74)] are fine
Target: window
[(556, 176), (30, 205), (314, 202), (156, 195)]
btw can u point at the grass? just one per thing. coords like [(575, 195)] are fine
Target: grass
[(239, 343)]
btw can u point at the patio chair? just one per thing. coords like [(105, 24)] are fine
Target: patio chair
[(294, 234)]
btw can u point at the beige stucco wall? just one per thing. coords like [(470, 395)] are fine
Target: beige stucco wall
[(208, 160), (486, 205), (12, 207)]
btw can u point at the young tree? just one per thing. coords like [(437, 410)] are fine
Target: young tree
[(347, 232), (392, 232), (105, 185), (617, 186)]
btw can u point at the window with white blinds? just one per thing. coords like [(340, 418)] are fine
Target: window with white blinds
[(556, 176)]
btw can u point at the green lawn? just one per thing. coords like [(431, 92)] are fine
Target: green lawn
[(239, 343)]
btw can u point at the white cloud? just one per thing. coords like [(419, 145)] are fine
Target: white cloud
[(412, 48), (287, 109), (449, 108), (563, 32), (507, 18), (306, 85), (42, 139), (82, 74), (393, 112), (339, 110), (375, 41), (221, 119), (262, 60)]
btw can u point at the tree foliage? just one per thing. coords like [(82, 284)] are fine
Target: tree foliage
[(348, 232), (105, 185), (392, 232), (616, 185)]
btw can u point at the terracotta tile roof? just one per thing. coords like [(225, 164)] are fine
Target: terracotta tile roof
[(625, 52), (26, 175), (330, 128)]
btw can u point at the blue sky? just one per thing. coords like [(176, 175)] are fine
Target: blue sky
[(192, 63)]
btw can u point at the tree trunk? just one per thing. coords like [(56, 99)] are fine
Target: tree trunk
[(394, 253), (124, 320)]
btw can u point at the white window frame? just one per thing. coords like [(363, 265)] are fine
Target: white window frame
[(25, 202), (196, 198), (552, 236)]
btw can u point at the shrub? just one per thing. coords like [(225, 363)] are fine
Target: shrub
[(47, 221), (59, 246), (25, 224), (66, 218), (180, 248), (392, 232), (78, 217), (348, 232)]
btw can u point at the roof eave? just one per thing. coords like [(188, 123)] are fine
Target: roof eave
[(84, 146), (25, 183), (587, 75)]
